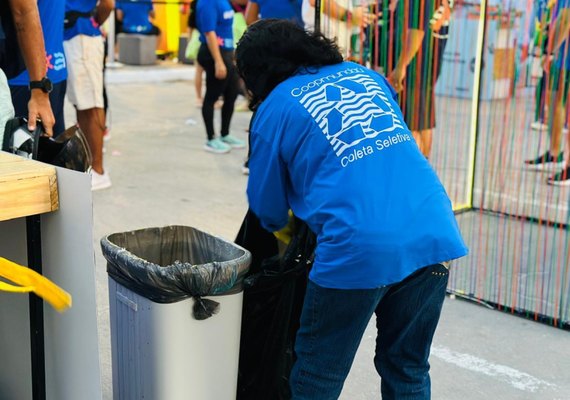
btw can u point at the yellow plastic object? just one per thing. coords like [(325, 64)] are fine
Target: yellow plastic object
[(286, 233), (28, 280)]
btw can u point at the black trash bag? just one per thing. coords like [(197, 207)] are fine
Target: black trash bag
[(173, 263), (259, 242), (67, 150), (272, 304)]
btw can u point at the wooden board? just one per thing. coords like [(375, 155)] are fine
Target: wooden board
[(26, 187)]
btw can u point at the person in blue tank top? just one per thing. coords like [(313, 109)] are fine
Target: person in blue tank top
[(51, 16), (329, 142), (214, 21), (281, 9)]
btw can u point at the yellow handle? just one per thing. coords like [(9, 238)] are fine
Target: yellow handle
[(29, 280), (6, 287)]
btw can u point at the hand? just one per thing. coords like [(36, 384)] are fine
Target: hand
[(396, 78), (362, 17), (392, 6), (221, 70), (547, 63), (39, 107)]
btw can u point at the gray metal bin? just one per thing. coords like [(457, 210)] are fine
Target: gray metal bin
[(159, 280)]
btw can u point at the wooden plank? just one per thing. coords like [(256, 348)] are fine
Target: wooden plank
[(27, 187)]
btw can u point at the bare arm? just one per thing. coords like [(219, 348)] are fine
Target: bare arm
[(556, 37), (561, 29), (214, 47), (359, 16), (119, 14), (31, 40), (103, 10), (251, 13), (412, 44)]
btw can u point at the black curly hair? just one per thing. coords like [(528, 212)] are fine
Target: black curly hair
[(272, 50)]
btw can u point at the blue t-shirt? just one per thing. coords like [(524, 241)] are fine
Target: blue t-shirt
[(281, 9), (135, 16), (333, 147), (83, 26), (51, 17), (216, 16)]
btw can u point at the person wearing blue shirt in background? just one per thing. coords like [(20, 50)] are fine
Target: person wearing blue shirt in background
[(84, 50), (51, 16), (135, 17), (281, 9), (22, 47), (329, 142), (214, 21)]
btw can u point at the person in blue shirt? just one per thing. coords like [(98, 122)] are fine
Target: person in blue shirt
[(51, 16), (84, 51), (282, 9), (329, 142), (557, 66), (24, 49), (214, 21), (134, 17)]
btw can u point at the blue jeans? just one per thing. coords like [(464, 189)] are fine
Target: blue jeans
[(333, 322)]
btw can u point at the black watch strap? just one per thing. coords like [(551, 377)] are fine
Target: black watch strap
[(45, 85)]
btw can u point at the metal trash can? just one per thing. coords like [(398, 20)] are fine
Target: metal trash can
[(175, 297)]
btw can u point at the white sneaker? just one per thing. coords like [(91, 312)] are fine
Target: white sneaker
[(538, 126), (100, 181)]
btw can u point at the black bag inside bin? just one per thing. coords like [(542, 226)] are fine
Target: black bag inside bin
[(274, 291), (174, 263)]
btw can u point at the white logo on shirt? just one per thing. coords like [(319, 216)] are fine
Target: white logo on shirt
[(351, 111), (228, 14)]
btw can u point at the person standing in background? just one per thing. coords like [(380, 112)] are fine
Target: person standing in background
[(558, 65), (51, 15), (214, 21), (84, 50), (339, 20), (21, 37), (418, 65), (281, 9)]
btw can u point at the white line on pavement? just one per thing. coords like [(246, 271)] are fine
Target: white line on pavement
[(513, 377)]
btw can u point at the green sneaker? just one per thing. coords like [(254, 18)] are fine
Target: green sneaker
[(217, 146), (233, 141)]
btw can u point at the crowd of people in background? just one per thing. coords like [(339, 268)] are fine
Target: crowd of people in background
[(370, 32), (550, 45)]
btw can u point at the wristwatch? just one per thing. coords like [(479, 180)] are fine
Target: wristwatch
[(45, 85)]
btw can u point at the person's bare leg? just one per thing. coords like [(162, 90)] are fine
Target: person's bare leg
[(198, 83), (418, 138), (426, 142), (92, 123), (558, 119)]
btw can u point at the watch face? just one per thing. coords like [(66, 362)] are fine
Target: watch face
[(47, 85)]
